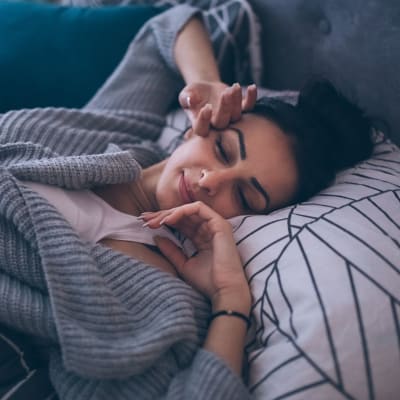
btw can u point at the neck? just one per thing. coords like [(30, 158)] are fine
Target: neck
[(139, 198), (134, 197), (147, 186)]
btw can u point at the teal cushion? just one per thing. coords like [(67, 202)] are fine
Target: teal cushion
[(53, 55)]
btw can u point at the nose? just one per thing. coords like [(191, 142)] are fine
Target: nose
[(213, 180)]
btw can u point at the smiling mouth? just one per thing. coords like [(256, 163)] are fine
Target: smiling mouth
[(185, 192)]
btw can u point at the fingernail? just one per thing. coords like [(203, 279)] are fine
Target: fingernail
[(236, 85), (253, 85), (163, 220), (188, 101), (145, 225)]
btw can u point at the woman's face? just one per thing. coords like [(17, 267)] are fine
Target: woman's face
[(247, 168)]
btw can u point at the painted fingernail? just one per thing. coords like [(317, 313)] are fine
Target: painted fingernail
[(163, 221), (188, 101), (145, 225), (236, 85)]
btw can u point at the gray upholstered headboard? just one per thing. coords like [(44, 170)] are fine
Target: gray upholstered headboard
[(354, 43)]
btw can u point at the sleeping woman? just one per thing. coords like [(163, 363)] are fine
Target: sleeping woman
[(89, 260)]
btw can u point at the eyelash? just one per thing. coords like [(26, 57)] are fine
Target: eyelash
[(224, 156), (221, 151), (243, 201)]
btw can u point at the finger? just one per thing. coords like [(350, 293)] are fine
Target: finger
[(222, 115), (172, 252), (188, 99), (201, 125), (155, 221), (236, 103), (188, 225), (198, 212), (250, 98)]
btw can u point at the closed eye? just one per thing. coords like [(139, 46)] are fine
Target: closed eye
[(220, 150), (243, 201)]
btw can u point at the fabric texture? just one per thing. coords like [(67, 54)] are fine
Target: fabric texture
[(94, 219), (58, 56), (327, 38), (235, 28), (114, 327), (325, 279)]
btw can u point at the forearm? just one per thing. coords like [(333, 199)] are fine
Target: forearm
[(226, 335), (194, 55)]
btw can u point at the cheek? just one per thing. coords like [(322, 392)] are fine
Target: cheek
[(225, 204), (183, 154)]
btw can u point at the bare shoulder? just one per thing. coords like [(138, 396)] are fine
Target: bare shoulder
[(140, 252)]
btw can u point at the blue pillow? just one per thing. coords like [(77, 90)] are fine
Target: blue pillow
[(53, 55)]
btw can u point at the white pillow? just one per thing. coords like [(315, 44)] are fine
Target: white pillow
[(325, 280)]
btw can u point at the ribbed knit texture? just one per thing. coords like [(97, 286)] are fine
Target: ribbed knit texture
[(117, 328)]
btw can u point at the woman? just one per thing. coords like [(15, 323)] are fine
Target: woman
[(115, 327)]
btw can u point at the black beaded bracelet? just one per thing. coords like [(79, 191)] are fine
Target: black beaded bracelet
[(231, 313)]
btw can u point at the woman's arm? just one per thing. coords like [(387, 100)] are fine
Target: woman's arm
[(172, 48), (194, 55), (216, 271), (196, 62)]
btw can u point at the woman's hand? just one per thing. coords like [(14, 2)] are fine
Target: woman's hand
[(216, 269), (215, 103)]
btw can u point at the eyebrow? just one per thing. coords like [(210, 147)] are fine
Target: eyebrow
[(253, 180)]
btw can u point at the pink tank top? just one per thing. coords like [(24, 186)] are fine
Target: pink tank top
[(94, 219)]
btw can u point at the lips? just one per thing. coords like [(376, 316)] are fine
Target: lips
[(185, 192)]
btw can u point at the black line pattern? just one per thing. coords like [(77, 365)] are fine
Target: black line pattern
[(376, 229), (325, 280), (362, 334), (328, 330)]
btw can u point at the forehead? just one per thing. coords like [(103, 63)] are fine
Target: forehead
[(261, 130), (262, 137)]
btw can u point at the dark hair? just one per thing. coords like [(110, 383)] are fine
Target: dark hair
[(329, 133)]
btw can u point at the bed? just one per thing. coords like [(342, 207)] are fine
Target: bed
[(325, 274)]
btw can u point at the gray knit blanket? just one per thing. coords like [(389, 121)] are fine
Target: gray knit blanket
[(113, 327)]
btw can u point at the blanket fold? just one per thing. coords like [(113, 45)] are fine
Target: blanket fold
[(102, 302)]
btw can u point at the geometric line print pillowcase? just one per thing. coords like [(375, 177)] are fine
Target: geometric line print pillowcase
[(325, 280)]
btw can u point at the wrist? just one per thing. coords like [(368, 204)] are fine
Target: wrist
[(238, 299)]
